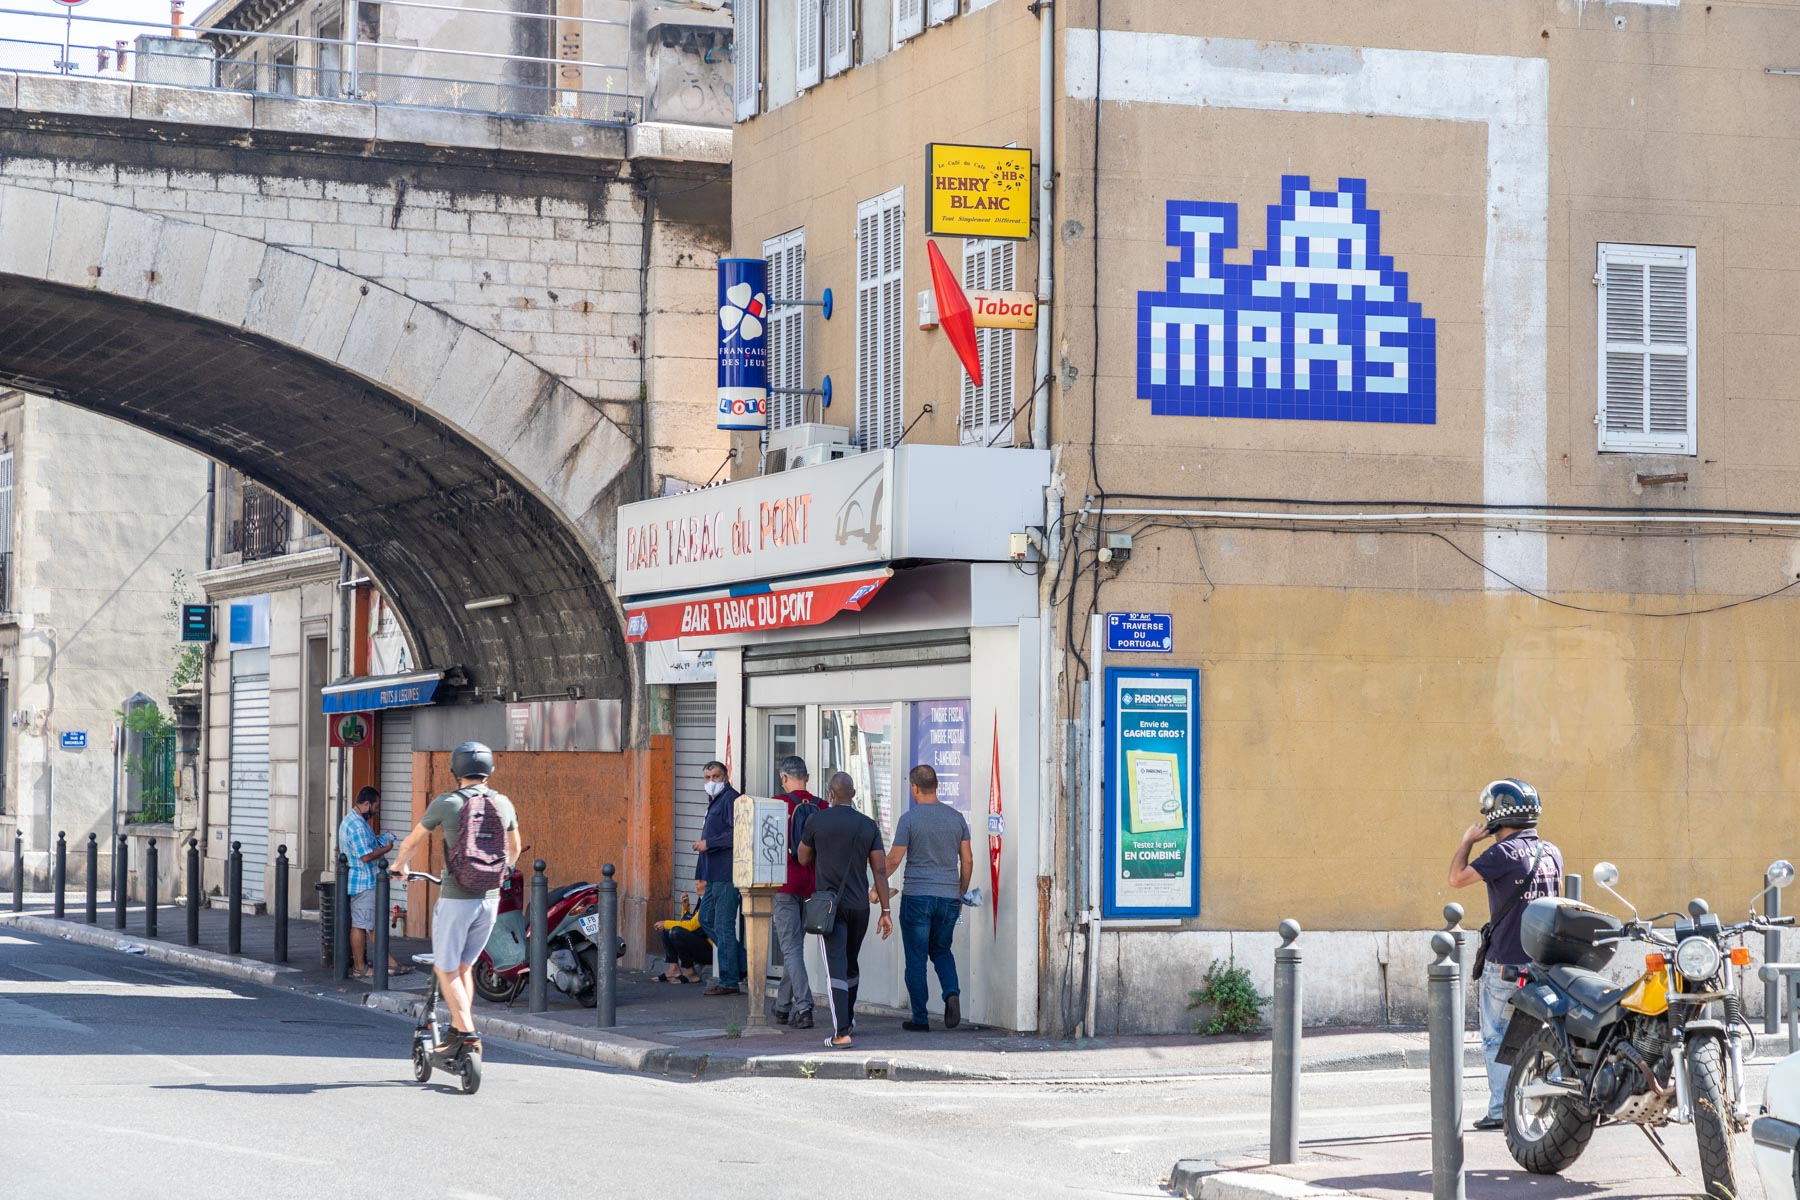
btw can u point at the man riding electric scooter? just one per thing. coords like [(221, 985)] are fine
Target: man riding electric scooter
[(470, 816)]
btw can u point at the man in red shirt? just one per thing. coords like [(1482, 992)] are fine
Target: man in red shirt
[(794, 999)]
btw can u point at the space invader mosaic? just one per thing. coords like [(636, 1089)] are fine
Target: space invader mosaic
[(1317, 327)]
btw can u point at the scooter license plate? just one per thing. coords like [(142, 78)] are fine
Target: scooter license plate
[(590, 926)]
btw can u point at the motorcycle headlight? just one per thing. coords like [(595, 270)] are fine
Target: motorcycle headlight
[(1697, 959)]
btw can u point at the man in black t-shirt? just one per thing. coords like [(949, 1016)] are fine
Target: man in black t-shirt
[(1518, 868), (843, 846)]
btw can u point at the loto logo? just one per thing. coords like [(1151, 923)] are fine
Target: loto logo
[(742, 313)]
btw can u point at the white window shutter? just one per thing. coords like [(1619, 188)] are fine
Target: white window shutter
[(786, 256), (909, 19), (837, 36), (746, 57), (939, 11), (880, 320), (988, 265), (809, 39), (1647, 351)]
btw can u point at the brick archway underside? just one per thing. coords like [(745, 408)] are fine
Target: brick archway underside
[(432, 517)]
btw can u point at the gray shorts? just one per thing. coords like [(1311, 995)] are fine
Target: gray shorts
[(362, 909), (459, 930)]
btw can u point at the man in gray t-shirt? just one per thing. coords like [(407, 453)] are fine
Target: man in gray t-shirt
[(932, 839)]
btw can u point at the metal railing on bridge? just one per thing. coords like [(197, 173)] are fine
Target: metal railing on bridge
[(363, 66)]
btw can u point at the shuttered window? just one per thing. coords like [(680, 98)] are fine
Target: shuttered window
[(988, 266), (808, 43), (909, 19), (6, 532), (939, 11), (837, 36), (1647, 349), (880, 317), (746, 56), (787, 327)]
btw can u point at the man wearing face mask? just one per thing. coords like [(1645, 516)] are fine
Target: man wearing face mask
[(719, 903)]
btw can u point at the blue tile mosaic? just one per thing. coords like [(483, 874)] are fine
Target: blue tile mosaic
[(1318, 327)]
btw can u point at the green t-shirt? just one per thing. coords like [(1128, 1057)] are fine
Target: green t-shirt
[(446, 811)]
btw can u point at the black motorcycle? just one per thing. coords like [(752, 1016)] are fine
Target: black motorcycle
[(1665, 1048)]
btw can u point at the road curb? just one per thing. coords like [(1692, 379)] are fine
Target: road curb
[(185, 956), (1252, 1185)]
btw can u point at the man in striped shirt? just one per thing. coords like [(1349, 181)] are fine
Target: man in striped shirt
[(358, 843)]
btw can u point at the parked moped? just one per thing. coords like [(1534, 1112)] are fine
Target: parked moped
[(573, 920)]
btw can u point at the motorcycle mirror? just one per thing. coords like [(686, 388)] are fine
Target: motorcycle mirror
[(1781, 873), (1605, 874), (1698, 908)]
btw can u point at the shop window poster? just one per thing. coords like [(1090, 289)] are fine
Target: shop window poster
[(1152, 851), (940, 740)]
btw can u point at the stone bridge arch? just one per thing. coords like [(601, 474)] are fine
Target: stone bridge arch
[(451, 466)]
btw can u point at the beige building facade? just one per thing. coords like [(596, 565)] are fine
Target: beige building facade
[(1428, 371)]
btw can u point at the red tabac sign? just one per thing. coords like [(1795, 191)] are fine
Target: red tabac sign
[(779, 607)]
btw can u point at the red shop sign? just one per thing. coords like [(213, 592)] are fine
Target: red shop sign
[(777, 608)]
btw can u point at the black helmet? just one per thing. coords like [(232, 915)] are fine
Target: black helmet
[(471, 759), (1510, 804)]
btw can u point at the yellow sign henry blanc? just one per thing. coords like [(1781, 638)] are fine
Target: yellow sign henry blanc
[(977, 191)]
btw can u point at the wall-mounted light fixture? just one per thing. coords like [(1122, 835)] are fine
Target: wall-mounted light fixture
[(489, 602)]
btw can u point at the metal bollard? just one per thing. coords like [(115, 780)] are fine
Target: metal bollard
[(62, 871), (121, 880), (1772, 953), (1284, 1107), (150, 888), (1572, 888), (1453, 916), (606, 983), (193, 892), (1444, 987), (537, 937), (18, 872), (378, 953), (340, 920), (234, 899), (281, 904), (93, 891)]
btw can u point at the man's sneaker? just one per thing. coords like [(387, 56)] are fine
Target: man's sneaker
[(916, 1026), (802, 1020), (1489, 1124), (952, 1010), (781, 1016)]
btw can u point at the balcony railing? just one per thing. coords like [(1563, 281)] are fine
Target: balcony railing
[(262, 531)]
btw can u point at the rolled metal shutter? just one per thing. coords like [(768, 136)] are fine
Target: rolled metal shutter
[(695, 735), (396, 780), (250, 775)]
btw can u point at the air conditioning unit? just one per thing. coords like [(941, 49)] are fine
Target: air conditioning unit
[(812, 456), (814, 433)]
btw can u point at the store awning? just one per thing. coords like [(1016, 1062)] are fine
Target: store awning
[(783, 604), (382, 691)]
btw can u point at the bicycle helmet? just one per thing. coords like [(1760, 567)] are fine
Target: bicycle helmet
[(1510, 804), (471, 759)]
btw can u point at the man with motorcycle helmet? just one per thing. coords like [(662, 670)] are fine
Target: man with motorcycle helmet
[(1518, 868)]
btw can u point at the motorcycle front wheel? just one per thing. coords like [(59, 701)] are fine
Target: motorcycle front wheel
[(1712, 1119), (488, 985), (1545, 1133)]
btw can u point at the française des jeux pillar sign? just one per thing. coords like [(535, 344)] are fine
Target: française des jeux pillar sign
[(743, 343), (1152, 815)]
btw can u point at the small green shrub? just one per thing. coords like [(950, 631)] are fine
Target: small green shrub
[(1230, 1001)]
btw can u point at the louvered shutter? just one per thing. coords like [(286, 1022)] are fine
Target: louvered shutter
[(746, 56), (787, 326), (837, 36), (909, 19), (808, 43), (1646, 368), (939, 11), (988, 266), (880, 320)]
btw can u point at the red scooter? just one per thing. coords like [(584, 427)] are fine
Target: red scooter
[(574, 959)]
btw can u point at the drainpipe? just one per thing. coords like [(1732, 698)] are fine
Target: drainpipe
[(344, 639), (1096, 805), (212, 489)]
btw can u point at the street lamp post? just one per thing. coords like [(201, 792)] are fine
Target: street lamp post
[(66, 64)]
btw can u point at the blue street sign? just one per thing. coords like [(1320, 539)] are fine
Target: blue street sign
[(75, 739), (1140, 633)]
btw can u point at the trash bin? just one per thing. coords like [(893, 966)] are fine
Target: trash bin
[(327, 890)]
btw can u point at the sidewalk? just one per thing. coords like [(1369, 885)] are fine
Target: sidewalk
[(671, 1030)]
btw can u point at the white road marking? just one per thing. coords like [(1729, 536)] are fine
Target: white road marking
[(15, 1012), (168, 1138), (1238, 1118)]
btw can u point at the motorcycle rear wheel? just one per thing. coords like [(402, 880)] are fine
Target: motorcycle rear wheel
[(589, 996), (1544, 1134), (1712, 1119), (488, 985)]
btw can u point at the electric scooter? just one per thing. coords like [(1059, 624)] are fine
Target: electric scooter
[(434, 1028)]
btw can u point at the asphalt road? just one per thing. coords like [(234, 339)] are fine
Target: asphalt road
[(129, 1078)]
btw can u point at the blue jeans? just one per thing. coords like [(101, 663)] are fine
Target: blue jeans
[(719, 918), (927, 925), (1492, 993)]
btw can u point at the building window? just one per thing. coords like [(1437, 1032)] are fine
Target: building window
[(1646, 349), (838, 38), (909, 19), (987, 410), (746, 56), (285, 61), (787, 327), (880, 319), (940, 11), (6, 532), (331, 56), (809, 43)]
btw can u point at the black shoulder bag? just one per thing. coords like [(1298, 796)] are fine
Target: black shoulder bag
[(1487, 931)]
